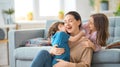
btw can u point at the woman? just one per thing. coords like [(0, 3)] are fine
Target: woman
[(80, 51)]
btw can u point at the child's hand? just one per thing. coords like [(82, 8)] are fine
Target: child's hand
[(57, 51), (88, 43)]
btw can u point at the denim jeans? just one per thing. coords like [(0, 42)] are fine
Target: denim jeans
[(43, 59)]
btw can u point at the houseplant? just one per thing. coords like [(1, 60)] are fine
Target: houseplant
[(30, 16), (117, 13), (7, 15), (61, 15), (92, 2)]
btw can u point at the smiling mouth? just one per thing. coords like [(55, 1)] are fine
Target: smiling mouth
[(69, 28)]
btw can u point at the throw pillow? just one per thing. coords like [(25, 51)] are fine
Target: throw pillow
[(35, 42), (115, 44)]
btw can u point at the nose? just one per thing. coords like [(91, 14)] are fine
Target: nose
[(66, 23)]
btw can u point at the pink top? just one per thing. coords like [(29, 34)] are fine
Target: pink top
[(92, 36)]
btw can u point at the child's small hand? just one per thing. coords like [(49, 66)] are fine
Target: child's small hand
[(57, 51), (88, 43)]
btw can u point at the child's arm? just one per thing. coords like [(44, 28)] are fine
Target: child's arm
[(77, 37)]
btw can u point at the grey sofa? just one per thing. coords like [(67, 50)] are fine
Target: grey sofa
[(20, 56)]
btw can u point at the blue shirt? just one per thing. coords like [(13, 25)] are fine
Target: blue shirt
[(61, 39)]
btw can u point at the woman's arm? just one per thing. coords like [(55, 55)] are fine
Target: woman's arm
[(77, 37), (85, 60)]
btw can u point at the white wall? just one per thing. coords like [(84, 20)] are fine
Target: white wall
[(69, 5), (84, 8), (81, 6)]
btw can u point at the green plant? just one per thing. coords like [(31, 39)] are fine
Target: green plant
[(61, 15), (104, 1), (92, 2), (61, 12), (117, 13), (10, 11)]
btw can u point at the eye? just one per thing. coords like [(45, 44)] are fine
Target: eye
[(65, 22), (90, 22), (70, 20)]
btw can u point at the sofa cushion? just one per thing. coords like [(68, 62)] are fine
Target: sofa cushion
[(117, 29), (111, 33), (111, 29), (28, 53), (117, 33), (106, 65), (107, 56)]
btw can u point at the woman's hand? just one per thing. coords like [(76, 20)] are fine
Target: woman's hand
[(57, 51), (61, 63)]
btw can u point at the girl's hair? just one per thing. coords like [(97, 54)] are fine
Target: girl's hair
[(76, 15), (54, 28), (101, 24)]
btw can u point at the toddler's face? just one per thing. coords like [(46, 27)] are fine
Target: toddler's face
[(62, 27)]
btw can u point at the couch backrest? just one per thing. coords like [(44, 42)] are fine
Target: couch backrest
[(18, 38), (114, 29)]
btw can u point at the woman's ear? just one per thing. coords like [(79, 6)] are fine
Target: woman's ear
[(79, 22)]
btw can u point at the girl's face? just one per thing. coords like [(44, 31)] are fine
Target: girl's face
[(91, 24), (61, 27), (71, 24)]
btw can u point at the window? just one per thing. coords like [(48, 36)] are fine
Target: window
[(22, 8), (41, 9), (49, 7)]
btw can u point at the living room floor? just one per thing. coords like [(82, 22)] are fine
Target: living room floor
[(4, 55), (4, 66)]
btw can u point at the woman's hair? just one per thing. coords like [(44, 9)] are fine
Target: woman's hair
[(101, 24), (54, 28), (76, 15)]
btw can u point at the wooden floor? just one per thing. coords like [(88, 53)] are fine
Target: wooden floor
[(3, 55), (4, 66)]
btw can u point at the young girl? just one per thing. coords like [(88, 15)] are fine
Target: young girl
[(97, 30), (60, 38)]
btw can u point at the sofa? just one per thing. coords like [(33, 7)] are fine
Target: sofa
[(21, 56)]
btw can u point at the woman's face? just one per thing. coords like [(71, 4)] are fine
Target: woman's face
[(71, 24), (91, 24)]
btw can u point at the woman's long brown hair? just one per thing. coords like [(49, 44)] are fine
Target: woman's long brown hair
[(101, 24), (54, 28)]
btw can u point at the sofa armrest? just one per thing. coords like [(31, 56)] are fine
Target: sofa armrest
[(18, 38)]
